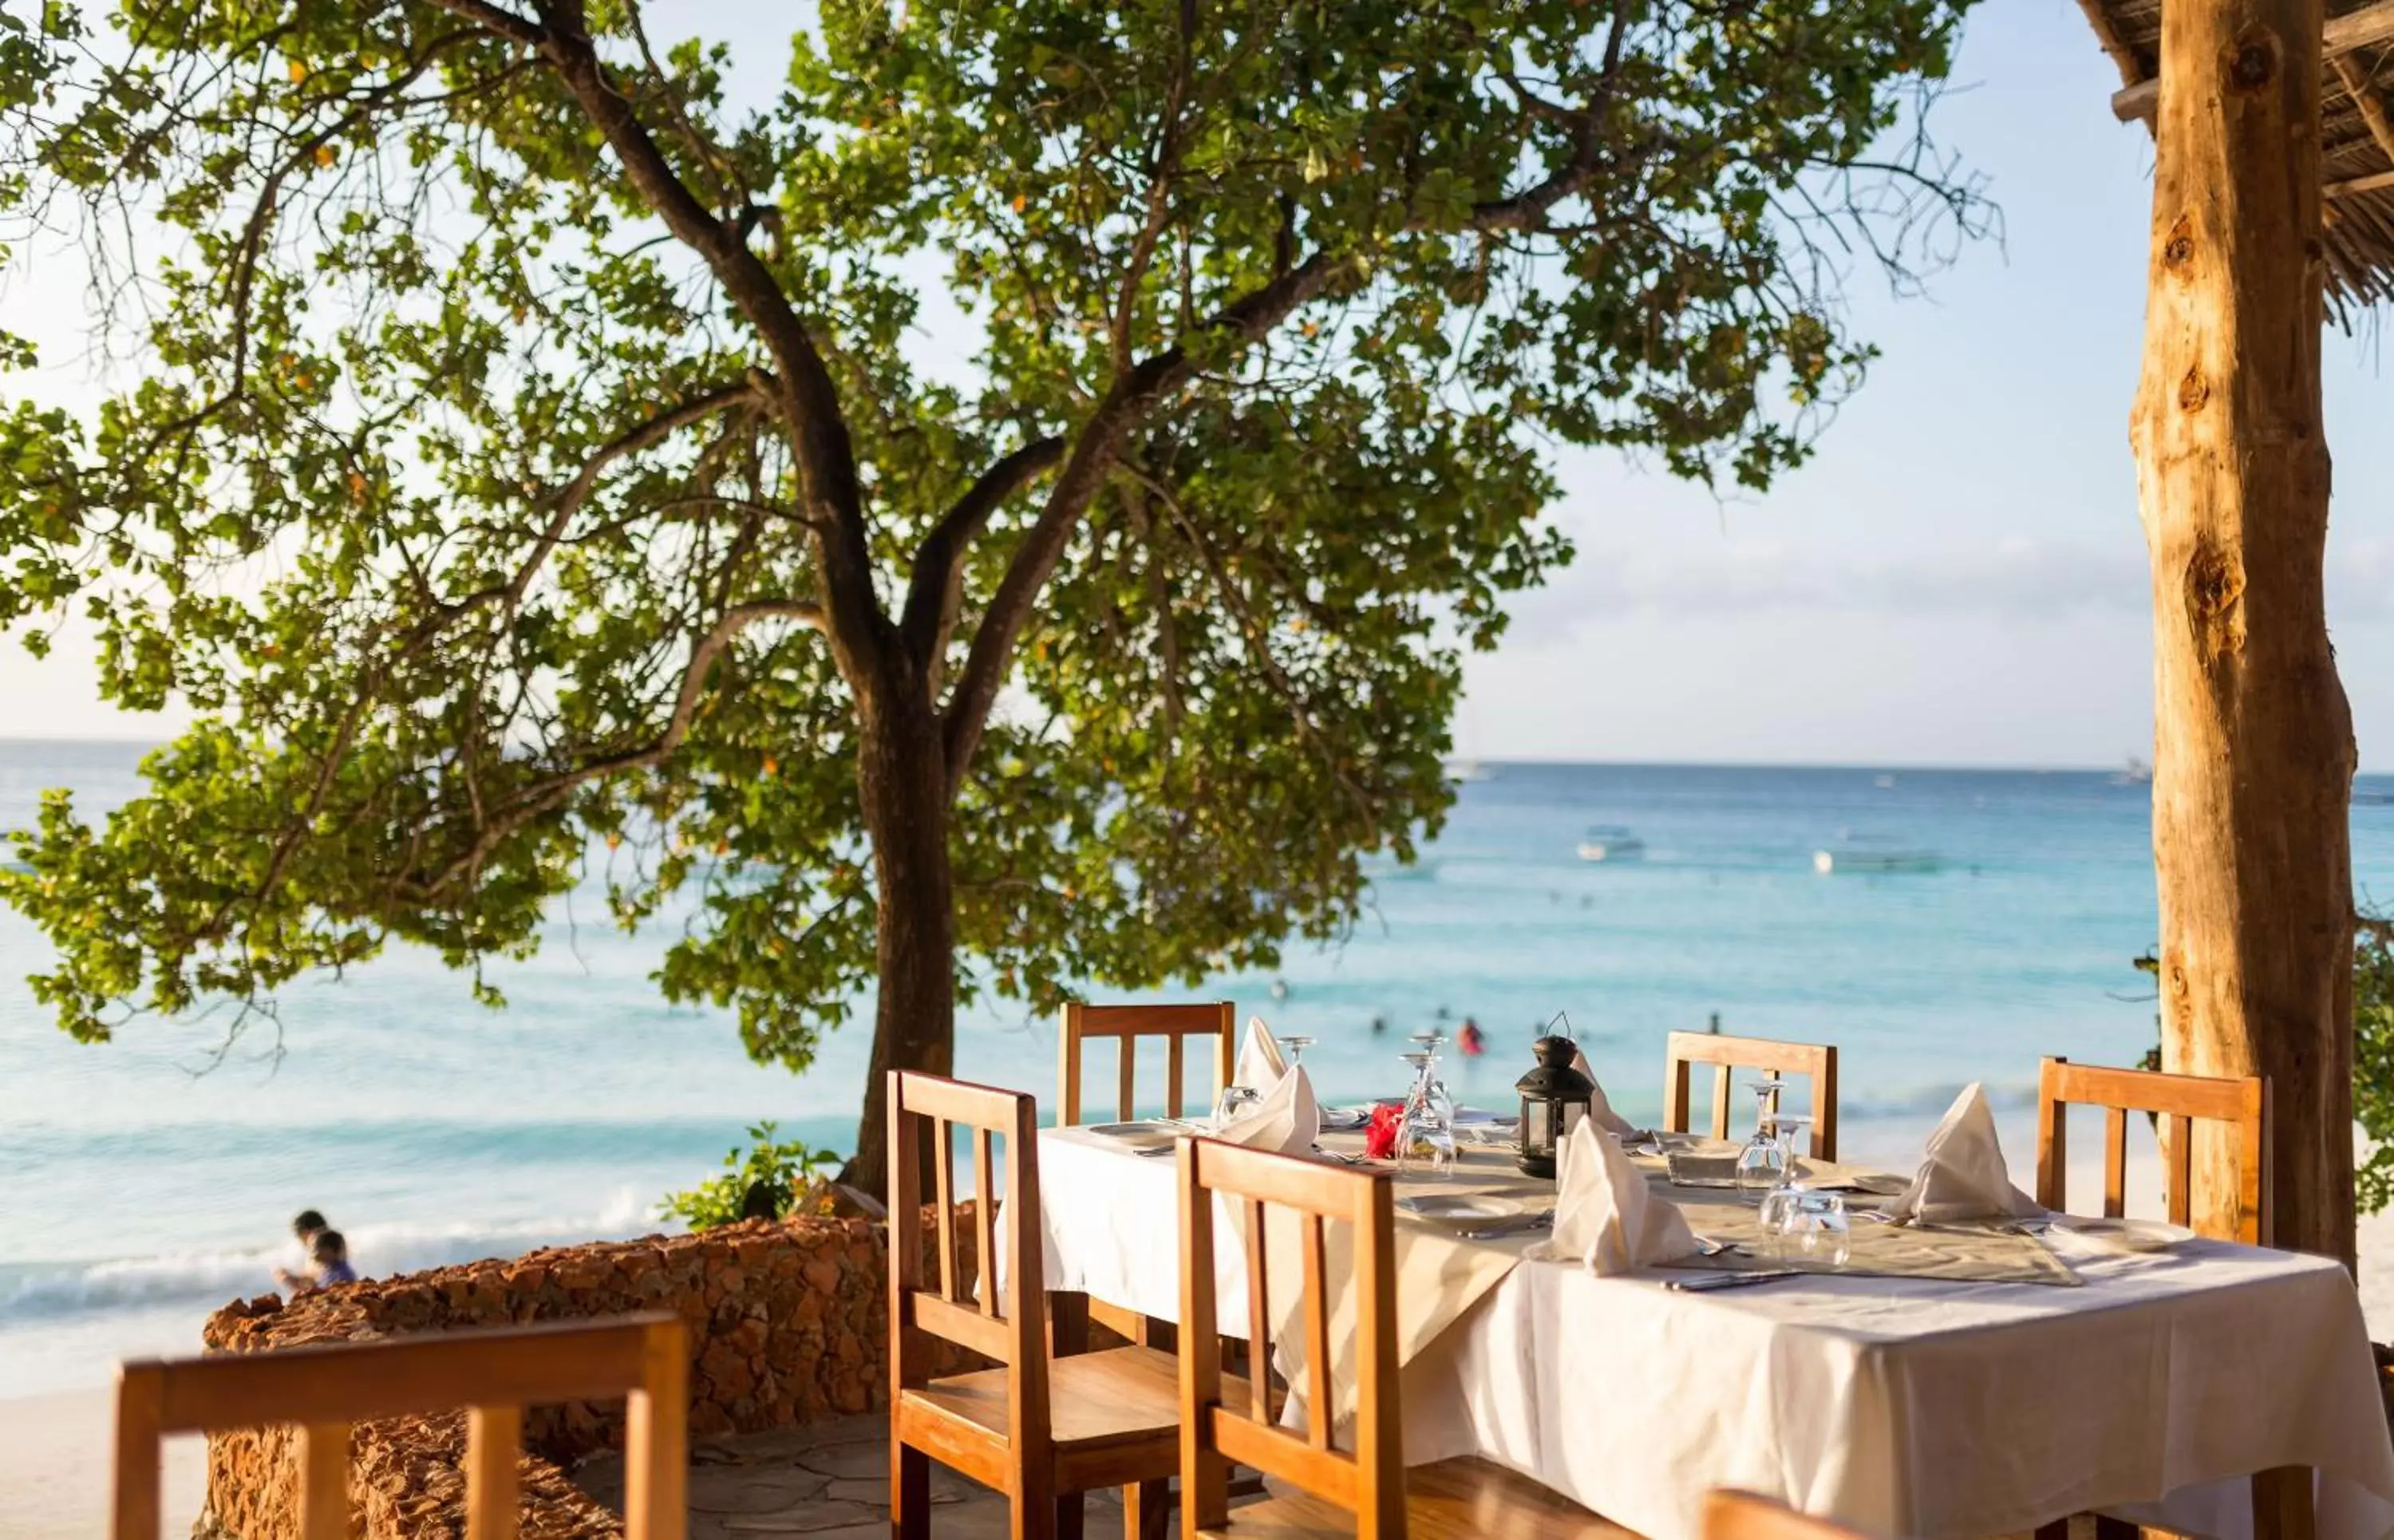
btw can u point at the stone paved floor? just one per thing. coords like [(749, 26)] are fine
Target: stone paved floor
[(829, 1481)]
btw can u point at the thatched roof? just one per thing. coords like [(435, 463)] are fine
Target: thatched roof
[(2356, 125)]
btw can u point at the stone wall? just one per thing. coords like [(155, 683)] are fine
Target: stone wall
[(787, 1322)]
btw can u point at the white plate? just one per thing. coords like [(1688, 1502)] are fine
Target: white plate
[(1462, 1207), (1142, 1135), (1476, 1117), (1337, 1118), (2125, 1236)]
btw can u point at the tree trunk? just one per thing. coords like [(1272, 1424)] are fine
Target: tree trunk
[(2253, 741), (902, 779)]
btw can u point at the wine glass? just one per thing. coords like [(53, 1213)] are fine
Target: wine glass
[(1425, 1126), (1236, 1101), (1790, 1127), (1295, 1046), (1808, 1226), (1762, 1163)]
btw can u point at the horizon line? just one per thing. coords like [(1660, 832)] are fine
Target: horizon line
[(1533, 762)]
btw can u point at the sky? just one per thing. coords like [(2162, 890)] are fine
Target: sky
[(1957, 578)]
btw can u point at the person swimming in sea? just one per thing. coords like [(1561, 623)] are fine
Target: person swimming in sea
[(1470, 1039)]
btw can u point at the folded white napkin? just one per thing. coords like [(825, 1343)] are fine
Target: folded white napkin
[(1287, 1121), (1261, 1062), (1606, 1217), (1962, 1172), (1599, 1106)]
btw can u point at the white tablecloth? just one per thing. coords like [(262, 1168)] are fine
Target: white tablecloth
[(1901, 1407)]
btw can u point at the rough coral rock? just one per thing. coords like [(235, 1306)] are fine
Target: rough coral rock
[(788, 1324)]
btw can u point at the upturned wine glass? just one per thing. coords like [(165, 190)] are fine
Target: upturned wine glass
[(1762, 1163)]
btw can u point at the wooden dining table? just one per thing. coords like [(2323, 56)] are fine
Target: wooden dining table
[(1899, 1394)]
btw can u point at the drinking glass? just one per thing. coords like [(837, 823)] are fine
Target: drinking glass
[(1807, 1226), (1237, 1101), (1790, 1128), (1426, 1131), (1763, 1164), (1295, 1046)]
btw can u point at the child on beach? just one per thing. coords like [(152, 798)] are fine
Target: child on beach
[(328, 1257)]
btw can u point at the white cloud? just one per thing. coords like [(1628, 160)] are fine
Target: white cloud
[(2025, 578), (2017, 578)]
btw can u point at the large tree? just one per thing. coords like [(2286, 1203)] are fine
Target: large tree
[(1024, 490)]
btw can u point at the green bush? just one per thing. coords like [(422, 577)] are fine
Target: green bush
[(784, 1166), (2372, 1059), (2373, 1056)]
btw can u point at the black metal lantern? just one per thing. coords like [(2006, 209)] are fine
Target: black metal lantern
[(1555, 1098)]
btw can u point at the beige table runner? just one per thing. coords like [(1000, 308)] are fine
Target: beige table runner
[(1444, 1269)]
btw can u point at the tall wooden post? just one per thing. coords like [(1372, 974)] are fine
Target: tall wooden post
[(2253, 753)]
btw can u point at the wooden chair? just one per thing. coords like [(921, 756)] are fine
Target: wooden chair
[(2178, 1101), (1127, 1025), (1743, 1515), (1041, 1432), (1364, 1492), (494, 1372), (1686, 1049)]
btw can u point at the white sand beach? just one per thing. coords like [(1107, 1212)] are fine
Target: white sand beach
[(53, 1468)]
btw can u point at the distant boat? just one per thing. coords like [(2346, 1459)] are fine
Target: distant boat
[(1610, 842), (1874, 853), (1460, 770), (1885, 782), (2136, 772)]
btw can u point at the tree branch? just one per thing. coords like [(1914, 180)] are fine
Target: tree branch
[(932, 592), (1093, 454), (567, 500), (1526, 209), (545, 795), (807, 397), (496, 18), (1259, 637), (1167, 161)]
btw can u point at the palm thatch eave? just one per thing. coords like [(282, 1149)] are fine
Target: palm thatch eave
[(2356, 128)]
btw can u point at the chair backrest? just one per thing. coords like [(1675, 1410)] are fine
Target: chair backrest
[(1369, 1479), (1127, 1024), (1743, 1515), (1011, 1329), (2177, 1101), (494, 1372), (1686, 1049)]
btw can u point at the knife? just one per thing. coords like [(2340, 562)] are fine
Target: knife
[(1712, 1281)]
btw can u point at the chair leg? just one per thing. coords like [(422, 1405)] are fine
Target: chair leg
[(909, 1492), (1070, 1515), (2282, 1504), (1147, 1509), (2115, 1529)]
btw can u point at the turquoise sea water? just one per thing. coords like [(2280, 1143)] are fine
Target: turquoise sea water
[(136, 1193)]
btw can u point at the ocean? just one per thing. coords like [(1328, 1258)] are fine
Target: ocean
[(141, 1184)]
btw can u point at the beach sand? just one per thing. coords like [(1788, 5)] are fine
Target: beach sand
[(55, 1462)]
